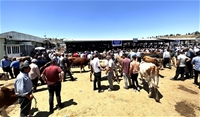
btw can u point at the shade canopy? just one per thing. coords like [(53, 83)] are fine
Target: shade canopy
[(40, 48)]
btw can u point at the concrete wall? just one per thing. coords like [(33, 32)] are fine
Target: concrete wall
[(2, 52)]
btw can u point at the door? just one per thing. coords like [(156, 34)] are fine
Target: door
[(13, 50)]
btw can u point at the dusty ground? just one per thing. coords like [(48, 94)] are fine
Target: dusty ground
[(178, 98)]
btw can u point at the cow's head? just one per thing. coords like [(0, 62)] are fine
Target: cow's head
[(8, 91), (159, 62)]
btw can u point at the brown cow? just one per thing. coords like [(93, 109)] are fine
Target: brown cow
[(7, 98), (119, 59), (4, 76), (157, 62), (78, 61)]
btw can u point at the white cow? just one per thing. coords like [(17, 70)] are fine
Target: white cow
[(150, 72)]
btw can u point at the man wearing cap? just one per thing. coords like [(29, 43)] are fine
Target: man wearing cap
[(34, 74), (53, 76), (23, 89)]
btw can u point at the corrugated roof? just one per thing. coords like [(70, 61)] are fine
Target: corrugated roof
[(105, 39), (13, 35)]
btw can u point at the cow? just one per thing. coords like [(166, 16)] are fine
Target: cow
[(79, 61), (103, 63), (7, 98), (156, 61), (4, 76), (150, 72)]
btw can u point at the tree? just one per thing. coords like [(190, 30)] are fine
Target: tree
[(178, 34), (188, 33), (196, 33), (171, 35)]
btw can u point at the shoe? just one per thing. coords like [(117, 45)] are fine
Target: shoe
[(125, 87), (64, 80), (138, 88), (72, 79), (30, 116), (110, 89), (134, 90), (95, 89), (51, 111), (60, 106), (100, 91)]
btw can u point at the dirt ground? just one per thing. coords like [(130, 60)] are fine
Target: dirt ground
[(178, 98)]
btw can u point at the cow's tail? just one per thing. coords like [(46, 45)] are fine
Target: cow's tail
[(155, 77)]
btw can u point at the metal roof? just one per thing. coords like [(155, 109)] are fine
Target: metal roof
[(13, 35), (106, 39)]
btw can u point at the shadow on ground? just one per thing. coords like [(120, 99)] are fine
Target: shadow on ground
[(146, 88), (116, 87)]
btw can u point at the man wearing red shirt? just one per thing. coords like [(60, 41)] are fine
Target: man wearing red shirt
[(53, 76)]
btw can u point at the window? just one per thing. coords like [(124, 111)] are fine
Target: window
[(15, 49), (8, 50)]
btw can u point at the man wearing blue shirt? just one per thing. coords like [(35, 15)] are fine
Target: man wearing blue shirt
[(196, 62), (15, 65), (5, 64), (23, 89)]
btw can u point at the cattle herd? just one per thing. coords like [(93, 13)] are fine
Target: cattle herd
[(150, 64)]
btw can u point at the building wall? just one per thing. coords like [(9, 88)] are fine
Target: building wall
[(2, 52)]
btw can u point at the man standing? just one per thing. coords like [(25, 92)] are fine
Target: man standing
[(61, 60), (5, 64), (181, 61), (66, 68), (34, 73), (189, 66), (115, 68), (53, 76), (167, 59), (125, 70), (196, 63), (134, 69), (15, 65), (23, 89), (109, 72), (97, 73)]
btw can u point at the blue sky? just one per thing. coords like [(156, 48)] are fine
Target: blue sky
[(100, 18)]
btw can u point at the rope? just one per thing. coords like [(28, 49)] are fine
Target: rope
[(29, 103)]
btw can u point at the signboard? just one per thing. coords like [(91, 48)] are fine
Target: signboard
[(135, 39), (116, 42), (177, 41)]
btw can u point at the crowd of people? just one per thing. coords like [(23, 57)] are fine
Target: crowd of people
[(186, 61)]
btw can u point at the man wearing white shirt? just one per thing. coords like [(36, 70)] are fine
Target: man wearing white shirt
[(181, 61), (167, 58), (96, 68), (109, 72)]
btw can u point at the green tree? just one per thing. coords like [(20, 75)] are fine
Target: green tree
[(178, 34), (196, 33), (171, 35)]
